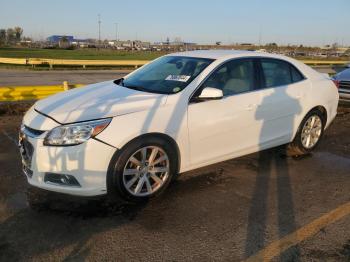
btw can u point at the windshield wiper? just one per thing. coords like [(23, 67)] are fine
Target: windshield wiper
[(138, 88), (121, 81)]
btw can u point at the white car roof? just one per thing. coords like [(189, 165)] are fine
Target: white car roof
[(224, 54), (228, 54)]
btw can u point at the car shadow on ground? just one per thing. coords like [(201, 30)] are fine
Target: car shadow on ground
[(274, 125), (60, 224), (71, 221)]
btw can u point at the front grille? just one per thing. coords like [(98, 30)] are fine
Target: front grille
[(344, 85), (27, 152), (27, 171)]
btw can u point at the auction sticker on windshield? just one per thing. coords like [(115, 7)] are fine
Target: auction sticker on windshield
[(180, 78)]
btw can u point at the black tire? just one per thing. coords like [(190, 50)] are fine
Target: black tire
[(37, 199), (296, 147), (115, 185)]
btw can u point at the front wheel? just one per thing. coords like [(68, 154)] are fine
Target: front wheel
[(308, 135), (144, 169)]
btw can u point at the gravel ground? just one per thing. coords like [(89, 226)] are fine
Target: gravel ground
[(227, 211)]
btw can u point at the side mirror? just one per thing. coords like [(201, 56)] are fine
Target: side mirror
[(210, 93)]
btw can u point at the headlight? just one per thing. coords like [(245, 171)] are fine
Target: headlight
[(75, 134)]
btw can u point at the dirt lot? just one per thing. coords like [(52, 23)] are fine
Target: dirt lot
[(228, 211)]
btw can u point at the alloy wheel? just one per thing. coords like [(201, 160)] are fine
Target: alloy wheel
[(146, 171), (311, 131)]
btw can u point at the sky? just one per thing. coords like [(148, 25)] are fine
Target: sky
[(307, 22)]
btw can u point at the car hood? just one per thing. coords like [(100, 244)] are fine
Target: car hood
[(96, 101)]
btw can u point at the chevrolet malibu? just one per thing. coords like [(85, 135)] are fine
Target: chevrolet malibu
[(130, 137)]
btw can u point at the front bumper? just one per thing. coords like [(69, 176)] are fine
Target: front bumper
[(87, 163)]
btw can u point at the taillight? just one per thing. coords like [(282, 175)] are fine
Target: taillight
[(336, 82)]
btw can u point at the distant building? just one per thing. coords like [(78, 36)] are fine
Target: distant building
[(55, 39), (130, 45), (177, 45), (83, 42)]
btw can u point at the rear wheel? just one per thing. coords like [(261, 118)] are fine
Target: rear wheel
[(308, 135), (143, 169)]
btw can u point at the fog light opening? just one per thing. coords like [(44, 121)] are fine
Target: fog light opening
[(61, 180)]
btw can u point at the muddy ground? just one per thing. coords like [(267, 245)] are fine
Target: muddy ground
[(227, 211)]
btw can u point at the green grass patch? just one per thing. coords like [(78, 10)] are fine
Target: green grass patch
[(88, 54), (63, 67)]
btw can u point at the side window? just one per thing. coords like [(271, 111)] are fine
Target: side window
[(276, 72), (233, 77), (296, 75)]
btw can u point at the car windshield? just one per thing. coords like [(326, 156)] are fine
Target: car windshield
[(166, 75)]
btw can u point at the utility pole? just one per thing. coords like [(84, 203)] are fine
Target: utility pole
[(99, 29), (260, 32), (116, 31)]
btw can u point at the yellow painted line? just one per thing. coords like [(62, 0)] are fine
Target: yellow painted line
[(324, 62), (279, 246), (80, 62)]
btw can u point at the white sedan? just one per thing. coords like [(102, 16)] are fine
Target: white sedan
[(182, 111)]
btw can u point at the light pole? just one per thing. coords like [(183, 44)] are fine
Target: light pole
[(116, 31), (99, 29)]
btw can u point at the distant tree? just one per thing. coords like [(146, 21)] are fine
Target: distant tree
[(335, 46), (11, 35), (18, 33), (2, 36), (25, 38), (272, 44), (178, 40), (63, 42)]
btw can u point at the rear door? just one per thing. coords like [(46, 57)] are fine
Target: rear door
[(283, 92)]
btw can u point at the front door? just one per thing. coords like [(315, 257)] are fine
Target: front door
[(225, 128)]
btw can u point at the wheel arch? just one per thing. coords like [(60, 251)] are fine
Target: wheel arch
[(162, 136), (166, 138), (112, 192), (320, 108), (323, 111)]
